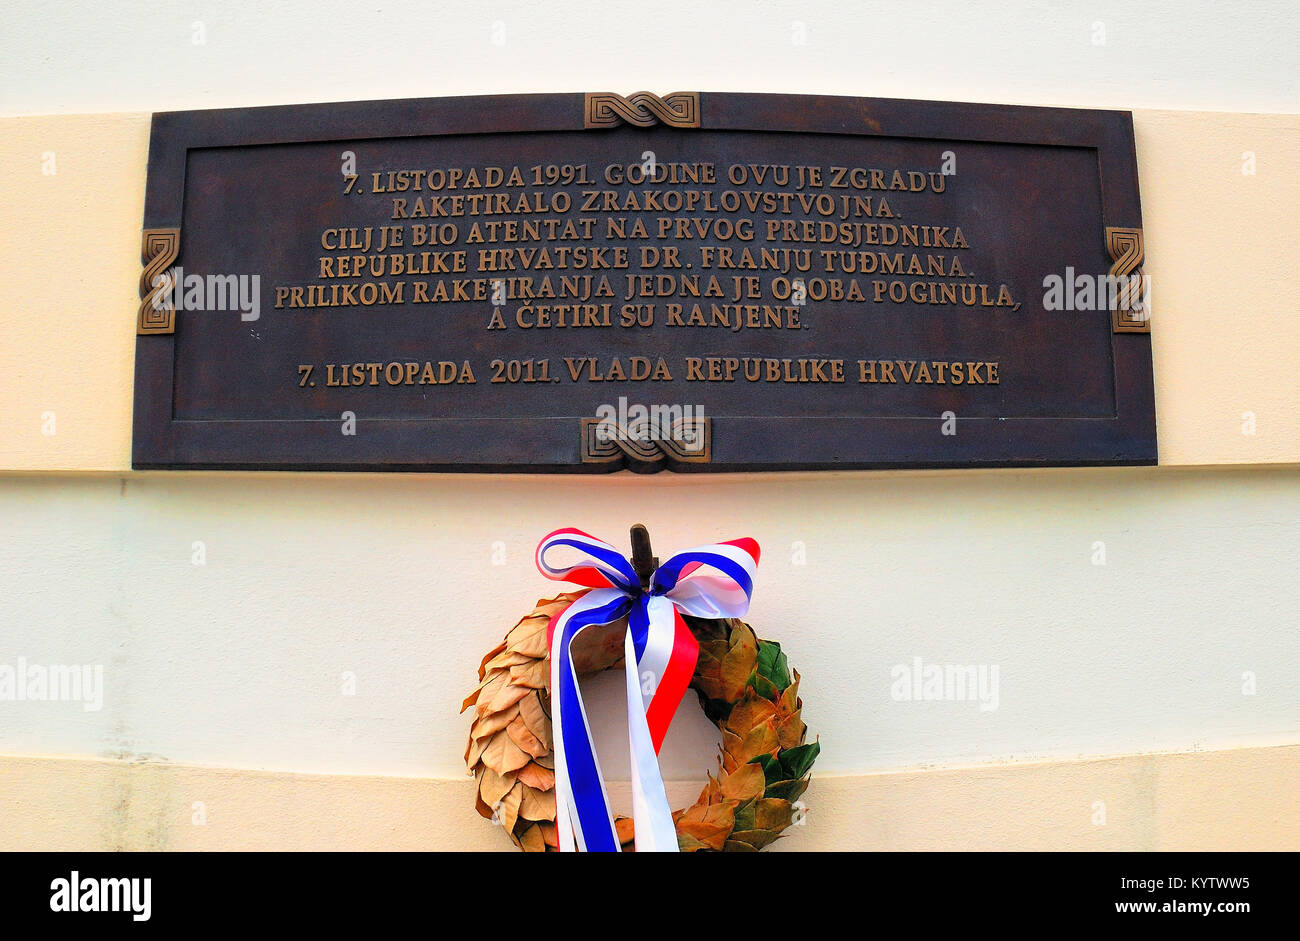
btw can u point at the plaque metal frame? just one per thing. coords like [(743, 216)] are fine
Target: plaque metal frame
[(736, 442)]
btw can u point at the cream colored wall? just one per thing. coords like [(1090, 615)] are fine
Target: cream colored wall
[(69, 279), (1225, 335), (1232, 800), (140, 55), (1184, 639)]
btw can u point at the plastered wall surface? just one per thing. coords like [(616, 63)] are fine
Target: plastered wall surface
[(1195, 54), (240, 661), (1150, 802), (1225, 337)]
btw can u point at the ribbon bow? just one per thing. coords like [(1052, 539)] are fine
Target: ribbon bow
[(714, 581)]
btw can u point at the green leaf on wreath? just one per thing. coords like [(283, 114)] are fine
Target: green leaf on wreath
[(763, 686), (786, 790), (745, 815), (772, 664), (798, 760), (781, 671), (772, 770), (755, 838)]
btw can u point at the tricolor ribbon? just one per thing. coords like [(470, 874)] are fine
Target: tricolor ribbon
[(714, 581)]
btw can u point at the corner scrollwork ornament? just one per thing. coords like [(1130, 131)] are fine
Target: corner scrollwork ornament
[(689, 440), (1129, 313), (642, 109), (158, 249)]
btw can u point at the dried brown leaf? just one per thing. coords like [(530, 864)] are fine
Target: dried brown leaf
[(756, 839), (529, 637), (537, 777), (536, 805), (743, 783), (709, 836), (751, 711), (508, 809), (502, 755), (492, 786), (483, 665), (534, 674), (475, 751), (525, 739), (687, 843), (493, 722), (790, 695), (507, 659), (791, 731), (731, 749), (539, 723), (506, 696), (739, 662), (761, 740), (625, 829), (716, 815), (531, 840), (711, 793), (488, 691)]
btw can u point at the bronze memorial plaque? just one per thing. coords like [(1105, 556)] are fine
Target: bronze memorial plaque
[(688, 281)]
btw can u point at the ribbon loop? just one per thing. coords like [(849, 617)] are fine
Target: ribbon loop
[(714, 581), (605, 568)]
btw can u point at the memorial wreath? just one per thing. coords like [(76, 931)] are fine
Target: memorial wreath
[(671, 627)]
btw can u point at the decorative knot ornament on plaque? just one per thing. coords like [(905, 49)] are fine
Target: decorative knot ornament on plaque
[(1131, 310), (642, 108)]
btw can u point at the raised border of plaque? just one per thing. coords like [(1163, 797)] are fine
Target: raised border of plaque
[(570, 444)]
